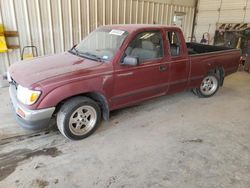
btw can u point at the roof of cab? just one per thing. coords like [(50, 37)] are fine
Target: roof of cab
[(134, 27)]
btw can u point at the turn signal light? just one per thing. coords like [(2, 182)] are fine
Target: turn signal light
[(20, 113)]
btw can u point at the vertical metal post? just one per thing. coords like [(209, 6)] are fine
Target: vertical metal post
[(118, 11), (162, 11), (88, 24), (190, 26), (219, 11), (79, 4), (71, 23), (245, 11), (153, 13), (51, 27), (111, 11), (148, 12), (27, 20), (61, 24), (124, 14), (136, 12), (166, 16), (16, 25), (194, 13), (157, 12), (40, 26), (188, 20), (170, 15), (130, 13), (96, 14), (142, 12), (104, 12)]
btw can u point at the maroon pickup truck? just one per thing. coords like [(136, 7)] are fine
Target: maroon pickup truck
[(113, 67)]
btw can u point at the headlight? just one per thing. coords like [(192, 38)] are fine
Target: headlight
[(27, 96)]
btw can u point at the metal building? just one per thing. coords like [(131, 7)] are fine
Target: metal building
[(56, 25)]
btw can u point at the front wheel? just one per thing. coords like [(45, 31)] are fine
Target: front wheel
[(78, 118), (209, 86)]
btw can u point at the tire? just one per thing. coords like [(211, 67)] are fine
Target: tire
[(209, 86), (78, 118)]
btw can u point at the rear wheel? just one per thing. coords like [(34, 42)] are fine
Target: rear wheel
[(209, 86), (78, 118)]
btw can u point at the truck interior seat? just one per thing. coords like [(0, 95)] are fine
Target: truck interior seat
[(174, 50), (147, 51), (128, 50)]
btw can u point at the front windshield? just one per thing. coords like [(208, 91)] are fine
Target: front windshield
[(101, 44)]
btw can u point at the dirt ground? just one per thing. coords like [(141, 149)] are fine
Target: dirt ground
[(172, 141)]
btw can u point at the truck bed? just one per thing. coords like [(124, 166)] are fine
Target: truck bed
[(196, 48), (205, 57)]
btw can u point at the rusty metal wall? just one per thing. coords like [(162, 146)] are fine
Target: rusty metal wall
[(55, 25)]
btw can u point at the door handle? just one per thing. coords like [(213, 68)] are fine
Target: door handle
[(162, 68), (125, 74)]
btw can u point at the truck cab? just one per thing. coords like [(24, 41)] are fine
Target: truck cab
[(158, 50)]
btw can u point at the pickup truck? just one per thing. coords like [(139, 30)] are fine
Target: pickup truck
[(113, 67)]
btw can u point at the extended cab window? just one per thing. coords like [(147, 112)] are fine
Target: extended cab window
[(174, 43), (146, 46)]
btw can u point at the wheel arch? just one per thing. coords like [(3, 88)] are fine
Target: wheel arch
[(220, 72), (97, 97), (102, 102)]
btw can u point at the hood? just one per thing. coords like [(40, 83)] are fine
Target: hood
[(29, 72)]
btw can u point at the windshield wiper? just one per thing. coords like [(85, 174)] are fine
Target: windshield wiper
[(91, 56), (74, 50), (85, 54)]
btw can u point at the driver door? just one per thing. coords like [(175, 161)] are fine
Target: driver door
[(149, 79)]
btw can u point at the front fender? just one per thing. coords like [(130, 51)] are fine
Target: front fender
[(54, 97)]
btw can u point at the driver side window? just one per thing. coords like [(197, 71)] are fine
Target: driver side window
[(146, 46)]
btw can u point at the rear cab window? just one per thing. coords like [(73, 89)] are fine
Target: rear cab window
[(173, 40)]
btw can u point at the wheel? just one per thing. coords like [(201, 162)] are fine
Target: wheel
[(78, 118), (209, 86)]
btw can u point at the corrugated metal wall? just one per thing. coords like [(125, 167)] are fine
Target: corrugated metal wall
[(55, 25), (211, 12)]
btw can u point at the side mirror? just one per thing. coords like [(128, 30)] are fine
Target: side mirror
[(132, 61)]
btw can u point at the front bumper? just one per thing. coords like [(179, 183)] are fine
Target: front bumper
[(30, 119)]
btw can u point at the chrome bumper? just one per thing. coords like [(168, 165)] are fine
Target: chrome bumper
[(30, 119)]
